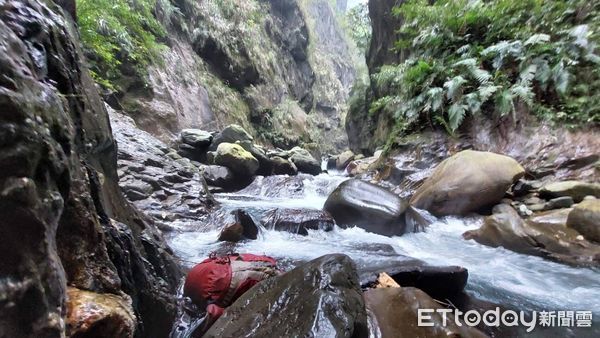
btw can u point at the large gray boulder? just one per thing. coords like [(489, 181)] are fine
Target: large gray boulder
[(373, 208), (321, 298), (231, 134), (196, 137), (219, 176), (265, 166), (344, 159), (282, 166), (466, 182), (585, 218), (304, 161), (236, 158)]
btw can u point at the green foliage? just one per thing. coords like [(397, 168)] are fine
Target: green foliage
[(494, 57), (117, 31), (359, 26)]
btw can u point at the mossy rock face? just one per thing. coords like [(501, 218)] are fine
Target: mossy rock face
[(236, 158), (466, 182), (576, 189), (585, 218)]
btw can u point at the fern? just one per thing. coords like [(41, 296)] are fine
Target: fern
[(454, 88)]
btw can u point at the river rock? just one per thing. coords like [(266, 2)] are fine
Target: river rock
[(237, 159), (265, 164), (574, 189), (304, 161), (243, 226), (231, 134), (321, 298), (344, 159), (91, 314), (375, 209), (282, 166), (298, 221), (218, 176), (585, 218), (395, 312), (440, 282), (196, 138), (548, 240), (467, 182), (559, 202)]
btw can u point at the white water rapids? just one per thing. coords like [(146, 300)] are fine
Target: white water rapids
[(495, 274)]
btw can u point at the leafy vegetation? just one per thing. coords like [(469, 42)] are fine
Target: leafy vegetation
[(359, 26), (496, 57), (118, 31)]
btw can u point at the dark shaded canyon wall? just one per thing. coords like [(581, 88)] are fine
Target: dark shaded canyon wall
[(63, 219)]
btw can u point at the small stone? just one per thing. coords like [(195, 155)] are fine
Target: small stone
[(536, 207)]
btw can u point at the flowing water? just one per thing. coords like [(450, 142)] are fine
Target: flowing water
[(495, 274)]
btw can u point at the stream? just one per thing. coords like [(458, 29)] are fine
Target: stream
[(495, 274)]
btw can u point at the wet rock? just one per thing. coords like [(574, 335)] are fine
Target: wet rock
[(218, 176), (91, 314), (265, 166), (574, 189), (395, 311), (242, 227), (545, 239), (237, 159), (196, 138), (282, 166), (231, 134), (304, 161), (559, 202), (298, 221), (467, 182), (344, 159), (375, 209), (585, 218), (523, 187), (321, 298), (440, 282)]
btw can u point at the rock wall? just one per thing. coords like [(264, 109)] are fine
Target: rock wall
[(542, 149), (63, 218), (282, 69)]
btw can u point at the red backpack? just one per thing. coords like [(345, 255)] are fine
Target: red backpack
[(221, 280)]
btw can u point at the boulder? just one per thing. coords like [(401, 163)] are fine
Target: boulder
[(466, 182), (304, 161), (549, 240), (440, 282), (344, 159), (321, 298), (574, 189), (585, 218), (375, 209), (298, 221), (282, 166), (237, 159), (559, 202), (243, 226), (91, 314), (395, 313), (218, 176), (196, 138), (230, 134), (265, 166)]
